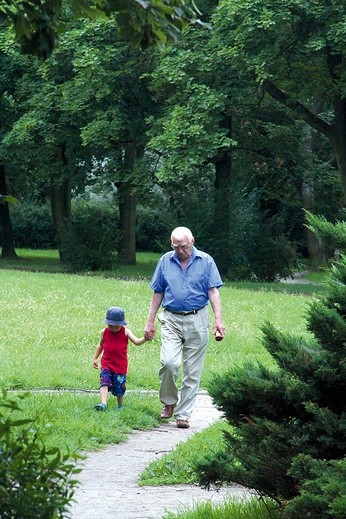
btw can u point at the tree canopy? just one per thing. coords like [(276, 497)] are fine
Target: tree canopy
[(38, 24)]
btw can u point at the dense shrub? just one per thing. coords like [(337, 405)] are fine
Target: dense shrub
[(256, 247), (90, 242), (153, 229), (33, 226), (270, 255), (35, 483)]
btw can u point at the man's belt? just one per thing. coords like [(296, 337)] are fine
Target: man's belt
[(189, 312)]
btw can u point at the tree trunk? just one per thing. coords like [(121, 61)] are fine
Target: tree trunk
[(222, 202), (60, 201), (314, 245), (127, 210), (127, 223), (7, 241)]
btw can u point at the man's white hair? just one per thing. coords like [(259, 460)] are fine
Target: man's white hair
[(180, 233)]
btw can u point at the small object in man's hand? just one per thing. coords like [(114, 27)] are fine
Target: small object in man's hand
[(218, 336)]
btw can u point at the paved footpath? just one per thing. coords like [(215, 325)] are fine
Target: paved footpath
[(109, 480)]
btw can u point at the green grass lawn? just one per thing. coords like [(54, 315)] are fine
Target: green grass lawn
[(51, 325), (40, 260)]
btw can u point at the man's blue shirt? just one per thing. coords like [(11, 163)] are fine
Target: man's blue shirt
[(185, 290)]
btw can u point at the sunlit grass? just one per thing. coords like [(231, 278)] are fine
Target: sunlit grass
[(68, 420), (51, 324), (47, 260), (253, 509)]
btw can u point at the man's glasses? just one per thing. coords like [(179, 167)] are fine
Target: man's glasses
[(183, 246)]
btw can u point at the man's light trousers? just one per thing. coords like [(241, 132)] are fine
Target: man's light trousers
[(184, 341)]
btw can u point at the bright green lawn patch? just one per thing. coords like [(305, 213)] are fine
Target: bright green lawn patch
[(253, 509), (311, 288), (44, 260), (51, 324), (69, 422)]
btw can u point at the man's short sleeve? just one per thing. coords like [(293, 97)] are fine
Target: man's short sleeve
[(157, 281), (215, 280)]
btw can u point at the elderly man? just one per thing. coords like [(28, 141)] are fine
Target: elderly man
[(184, 281)]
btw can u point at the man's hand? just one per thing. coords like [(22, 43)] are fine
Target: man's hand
[(149, 331), (219, 331)]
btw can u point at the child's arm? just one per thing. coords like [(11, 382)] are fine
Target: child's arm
[(136, 340), (98, 352)]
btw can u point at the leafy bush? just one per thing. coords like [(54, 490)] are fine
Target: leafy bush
[(90, 243), (270, 255), (256, 248), (35, 482), (33, 226), (153, 229)]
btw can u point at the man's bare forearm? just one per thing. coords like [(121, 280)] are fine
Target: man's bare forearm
[(156, 301)]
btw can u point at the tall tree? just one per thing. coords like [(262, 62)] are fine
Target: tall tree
[(295, 50), (215, 126), (13, 68), (109, 97), (6, 232)]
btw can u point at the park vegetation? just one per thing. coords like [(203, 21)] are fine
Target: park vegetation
[(109, 142), (237, 130)]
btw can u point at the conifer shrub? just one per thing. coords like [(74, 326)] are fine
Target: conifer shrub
[(35, 482), (289, 439)]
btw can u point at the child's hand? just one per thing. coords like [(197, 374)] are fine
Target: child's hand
[(95, 364)]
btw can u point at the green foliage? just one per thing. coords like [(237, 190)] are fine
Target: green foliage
[(153, 229), (259, 248), (33, 226), (230, 509), (267, 253), (290, 414), (38, 25), (35, 482), (8, 199), (90, 243), (322, 495), (332, 235)]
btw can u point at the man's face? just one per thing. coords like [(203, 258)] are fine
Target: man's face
[(182, 247)]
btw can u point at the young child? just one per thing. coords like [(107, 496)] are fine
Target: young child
[(113, 346)]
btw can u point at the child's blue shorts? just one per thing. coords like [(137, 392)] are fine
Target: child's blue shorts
[(116, 383)]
